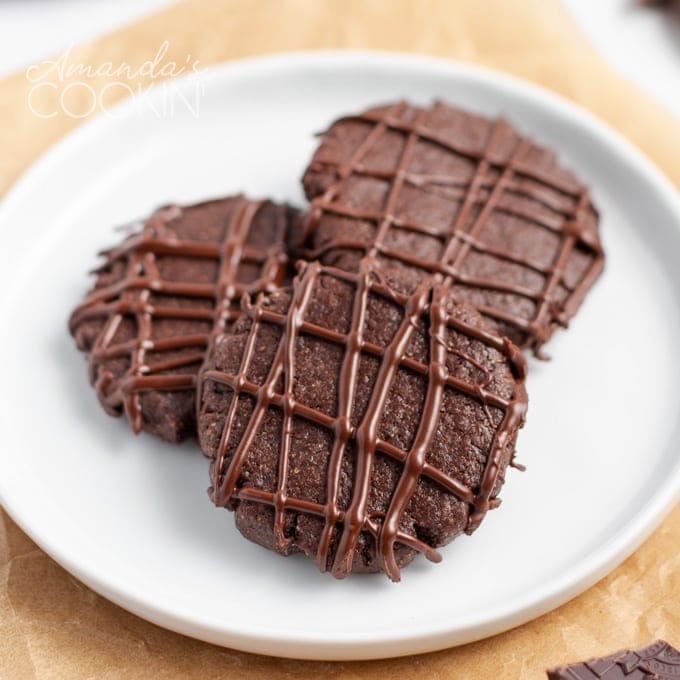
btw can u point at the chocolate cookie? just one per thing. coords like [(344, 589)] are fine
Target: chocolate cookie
[(357, 424), (152, 311), (441, 191)]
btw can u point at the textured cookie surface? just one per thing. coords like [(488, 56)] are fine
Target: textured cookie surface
[(153, 310), (439, 190), (356, 424)]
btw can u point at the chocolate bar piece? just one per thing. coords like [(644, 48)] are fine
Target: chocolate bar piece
[(658, 661)]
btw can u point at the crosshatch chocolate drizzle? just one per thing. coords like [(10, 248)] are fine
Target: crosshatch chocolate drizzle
[(131, 297), (482, 191), (427, 304)]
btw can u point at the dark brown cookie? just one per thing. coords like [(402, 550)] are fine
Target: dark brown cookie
[(152, 311), (356, 424), (441, 191), (658, 661)]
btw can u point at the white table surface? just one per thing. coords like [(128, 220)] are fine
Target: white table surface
[(643, 43)]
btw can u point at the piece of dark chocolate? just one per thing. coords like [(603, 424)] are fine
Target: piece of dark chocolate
[(658, 661)]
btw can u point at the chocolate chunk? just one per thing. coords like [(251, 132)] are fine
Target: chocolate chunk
[(441, 191), (152, 311), (658, 661), (357, 424)]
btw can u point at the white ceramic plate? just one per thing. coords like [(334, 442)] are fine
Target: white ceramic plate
[(130, 516)]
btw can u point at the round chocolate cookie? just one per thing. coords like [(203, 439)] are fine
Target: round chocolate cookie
[(153, 309), (358, 424), (441, 191)]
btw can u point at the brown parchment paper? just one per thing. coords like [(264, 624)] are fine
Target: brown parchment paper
[(51, 626)]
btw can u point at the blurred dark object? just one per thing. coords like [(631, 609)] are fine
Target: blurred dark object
[(665, 4)]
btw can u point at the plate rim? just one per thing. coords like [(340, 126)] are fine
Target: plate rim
[(421, 638)]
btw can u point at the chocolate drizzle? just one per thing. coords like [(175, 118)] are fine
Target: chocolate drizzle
[(565, 211), (429, 304), (131, 296)]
